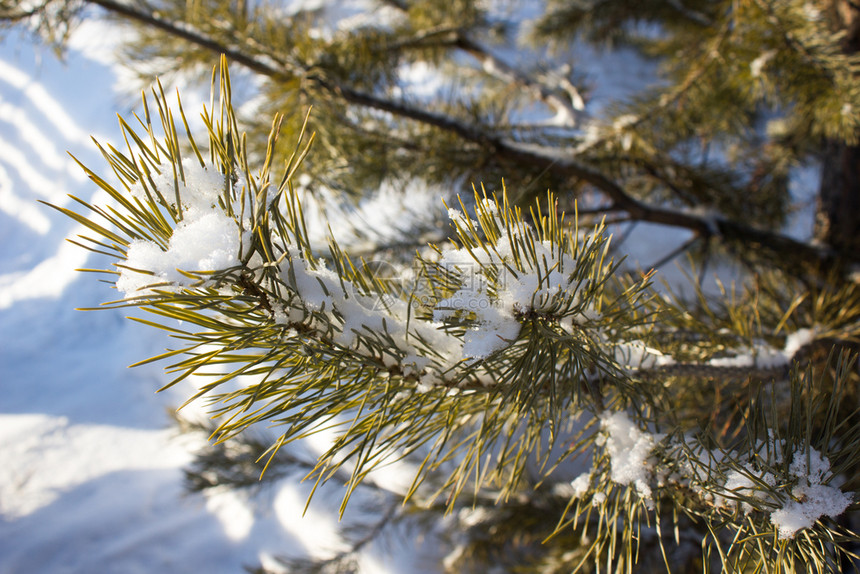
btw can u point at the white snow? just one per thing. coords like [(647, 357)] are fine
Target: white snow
[(205, 240), (764, 356), (810, 499), (742, 484), (629, 450), (581, 484), (492, 292), (637, 354)]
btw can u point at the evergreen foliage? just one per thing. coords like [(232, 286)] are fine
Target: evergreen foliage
[(715, 432)]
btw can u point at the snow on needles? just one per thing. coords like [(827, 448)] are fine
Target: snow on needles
[(322, 292), (793, 500), (207, 239), (809, 500), (498, 286), (764, 356), (629, 450), (494, 293), (630, 457)]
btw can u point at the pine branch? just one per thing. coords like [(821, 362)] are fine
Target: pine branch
[(569, 108), (189, 33), (557, 161), (509, 351)]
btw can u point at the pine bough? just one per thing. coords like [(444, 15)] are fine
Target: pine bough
[(513, 349)]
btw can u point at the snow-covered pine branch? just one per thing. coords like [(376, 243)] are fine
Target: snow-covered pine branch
[(498, 359)]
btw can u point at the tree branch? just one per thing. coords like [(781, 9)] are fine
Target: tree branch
[(560, 162), (568, 109), (11, 15), (188, 33)]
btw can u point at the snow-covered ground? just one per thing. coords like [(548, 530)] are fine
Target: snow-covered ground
[(90, 465)]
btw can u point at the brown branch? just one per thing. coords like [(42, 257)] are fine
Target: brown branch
[(190, 34), (570, 108), (557, 161)]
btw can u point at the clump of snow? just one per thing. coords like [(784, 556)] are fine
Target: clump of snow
[(796, 340), (580, 484), (629, 449), (764, 356), (810, 498), (630, 457), (742, 484), (207, 239), (636, 354), (496, 325)]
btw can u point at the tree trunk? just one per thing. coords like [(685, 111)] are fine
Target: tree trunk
[(837, 221)]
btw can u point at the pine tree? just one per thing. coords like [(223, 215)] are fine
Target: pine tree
[(712, 431)]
